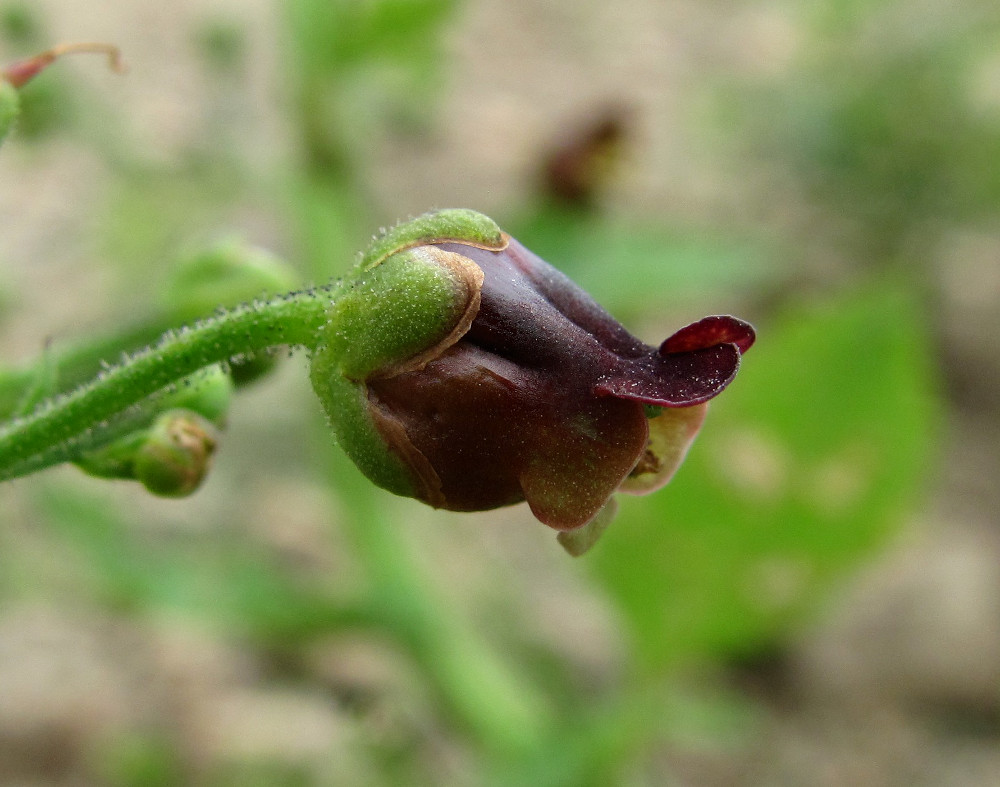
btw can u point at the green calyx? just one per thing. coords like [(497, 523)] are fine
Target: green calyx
[(405, 303), (350, 419), (401, 313), (393, 318), (452, 225)]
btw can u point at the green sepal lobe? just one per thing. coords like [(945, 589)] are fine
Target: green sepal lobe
[(350, 418), (452, 225), (400, 314)]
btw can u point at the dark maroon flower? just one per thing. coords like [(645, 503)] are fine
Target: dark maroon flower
[(525, 389)]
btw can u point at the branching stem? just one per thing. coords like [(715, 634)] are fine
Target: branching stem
[(293, 319)]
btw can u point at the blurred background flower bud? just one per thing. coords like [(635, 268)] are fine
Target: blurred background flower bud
[(226, 274), (9, 107)]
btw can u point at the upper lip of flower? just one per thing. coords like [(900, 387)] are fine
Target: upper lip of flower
[(533, 314)]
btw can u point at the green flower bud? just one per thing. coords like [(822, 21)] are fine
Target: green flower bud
[(227, 273), (177, 453), (206, 395)]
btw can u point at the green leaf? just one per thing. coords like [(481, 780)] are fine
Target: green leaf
[(814, 455), (629, 265), (219, 574)]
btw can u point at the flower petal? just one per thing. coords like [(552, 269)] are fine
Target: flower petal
[(675, 380), (579, 541), (708, 332), (670, 436), (496, 433), (575, 468), (527, 301)]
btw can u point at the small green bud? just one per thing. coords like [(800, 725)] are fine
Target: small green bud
[(177, 453), (206, 394)]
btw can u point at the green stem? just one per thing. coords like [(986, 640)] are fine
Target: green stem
[(481, 687), (62, 369), (293, 319)]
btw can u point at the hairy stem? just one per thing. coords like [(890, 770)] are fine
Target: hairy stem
[(59, 423), (63, 368)]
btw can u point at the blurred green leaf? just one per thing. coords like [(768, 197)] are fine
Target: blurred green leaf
[(359, 68), (219, 574), (330, 33), (223, 45), (150, 209), (887, 122), (135, 760), (631, 266), (607, 734), (20, 25), (815, 454)]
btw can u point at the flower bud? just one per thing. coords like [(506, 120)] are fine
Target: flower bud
[(177, 454), (461, 369), (227, 273), (208, 393), (203, 399)]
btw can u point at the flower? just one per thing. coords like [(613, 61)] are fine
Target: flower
[(494, 379)]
